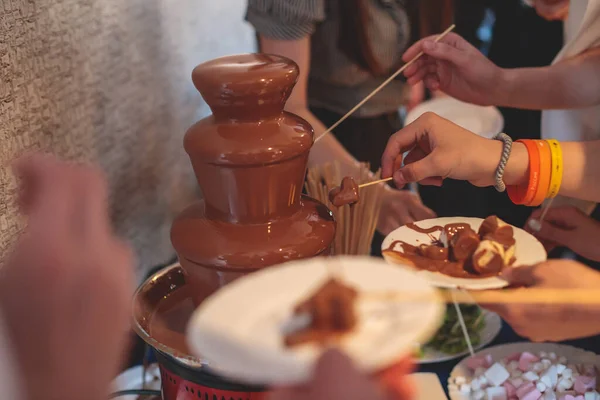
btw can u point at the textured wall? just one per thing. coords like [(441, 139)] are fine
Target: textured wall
[(108, 81)]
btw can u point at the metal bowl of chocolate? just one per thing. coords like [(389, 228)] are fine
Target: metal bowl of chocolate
[(162, 307), (467, 253)]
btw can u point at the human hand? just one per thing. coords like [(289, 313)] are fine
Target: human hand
[(401, 207), (417, 95), (65, 290), (439, 149), (570, 227), (551, 10), (335, 377), (455, 67), (551, 322)]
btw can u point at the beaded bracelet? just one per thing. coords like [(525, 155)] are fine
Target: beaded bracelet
[(506, 150)]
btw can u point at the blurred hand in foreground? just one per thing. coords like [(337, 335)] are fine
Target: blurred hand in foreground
[(335, 377), (551, 322), (65, 291)]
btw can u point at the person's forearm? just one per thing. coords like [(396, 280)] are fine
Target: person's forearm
[(581, 169), (328, 148), (571, 83)]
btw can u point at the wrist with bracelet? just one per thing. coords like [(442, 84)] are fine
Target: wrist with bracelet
[(545, 171)]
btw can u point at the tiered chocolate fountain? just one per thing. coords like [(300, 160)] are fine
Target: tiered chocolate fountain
[(250, 160)]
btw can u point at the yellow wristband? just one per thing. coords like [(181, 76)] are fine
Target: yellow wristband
[(557, 168)]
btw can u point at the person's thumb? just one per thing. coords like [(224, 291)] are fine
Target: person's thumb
[(444, 51), (521, 276), (416, 171)]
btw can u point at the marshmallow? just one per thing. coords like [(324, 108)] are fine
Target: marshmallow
[(497, 374), (526, 360), (496, 393)]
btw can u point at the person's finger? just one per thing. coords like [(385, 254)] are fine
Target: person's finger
[(417, 77), (417, 171), (414, 67), (399, 143), (424, 70), (554, 234), (521, 276), (92, 201), (415, 49), (566, 217), (432, 82), (451, 39), (50, 200), (445, 52)]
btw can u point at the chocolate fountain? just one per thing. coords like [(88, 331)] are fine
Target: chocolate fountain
[(250, 161)]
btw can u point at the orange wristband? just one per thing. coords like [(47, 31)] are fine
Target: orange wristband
[(522, 194), (545, 173)]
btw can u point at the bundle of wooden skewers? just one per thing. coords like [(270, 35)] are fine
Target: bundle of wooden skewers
[(356, 223)]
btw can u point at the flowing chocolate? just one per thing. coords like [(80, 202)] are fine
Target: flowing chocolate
[(345, 194), (250, 159), (332, 313)]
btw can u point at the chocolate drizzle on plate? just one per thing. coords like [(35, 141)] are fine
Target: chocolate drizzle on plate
[(459, 251)]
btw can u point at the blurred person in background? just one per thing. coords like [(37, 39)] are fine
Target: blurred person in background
[(345, 49)]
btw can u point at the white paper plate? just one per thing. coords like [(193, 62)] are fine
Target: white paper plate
[(238, 329), (574, 355), (493, 325), (484, 121), (528, 251), (132, 379)]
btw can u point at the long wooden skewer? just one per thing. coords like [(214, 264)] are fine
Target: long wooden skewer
[(502, 296), (362, 185), (374, 92)]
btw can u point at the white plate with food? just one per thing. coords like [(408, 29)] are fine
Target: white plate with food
[(449, 342), (461, 252), (484, 121), (269, 328), (545, 371)]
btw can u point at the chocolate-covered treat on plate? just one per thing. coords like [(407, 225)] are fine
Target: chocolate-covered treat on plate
[(330, 312), (460, 251)]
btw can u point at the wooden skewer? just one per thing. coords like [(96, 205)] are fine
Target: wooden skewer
[(374, 182), (374, 92), (536, 225), (502, 296)]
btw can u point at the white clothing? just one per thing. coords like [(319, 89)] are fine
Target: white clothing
[(582, 32)]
